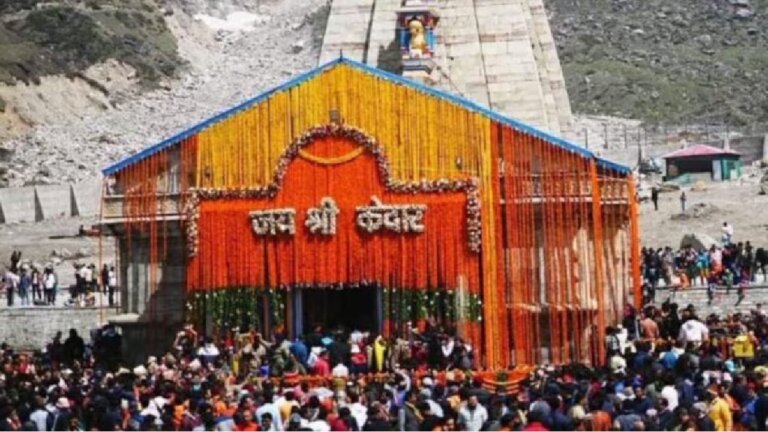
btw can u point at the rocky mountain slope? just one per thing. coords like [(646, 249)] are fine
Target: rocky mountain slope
[(67, 36), (682, 61), (225, 51)]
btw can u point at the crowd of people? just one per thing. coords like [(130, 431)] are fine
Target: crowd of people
[(728, 265), (665, 369), (26, 284)]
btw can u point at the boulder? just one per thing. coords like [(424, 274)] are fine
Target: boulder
[(764, 184), (699, 186), (744, 13), (83, 253), (697, 211), (697, 240), (669, 187)]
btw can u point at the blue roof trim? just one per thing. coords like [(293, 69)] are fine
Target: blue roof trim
[(605, 163), (441, 94), (149, 151), (468, 104)]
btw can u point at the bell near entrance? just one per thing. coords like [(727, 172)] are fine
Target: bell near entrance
[(344, 309)]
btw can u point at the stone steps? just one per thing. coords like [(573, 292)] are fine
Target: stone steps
[(722, 304)]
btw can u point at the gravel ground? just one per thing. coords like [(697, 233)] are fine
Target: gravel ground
[(732, 202)]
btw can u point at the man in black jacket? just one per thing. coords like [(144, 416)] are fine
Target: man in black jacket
[(74, 347)]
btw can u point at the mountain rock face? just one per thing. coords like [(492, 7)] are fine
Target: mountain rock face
[(681, 61), (92, 95), (66, 37)]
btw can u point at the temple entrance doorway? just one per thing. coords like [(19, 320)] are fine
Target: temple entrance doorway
[(347, 309)]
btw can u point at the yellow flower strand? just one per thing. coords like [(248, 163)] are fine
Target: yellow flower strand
[(422, 136)]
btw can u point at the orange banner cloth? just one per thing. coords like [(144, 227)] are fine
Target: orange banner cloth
[(230, 254)]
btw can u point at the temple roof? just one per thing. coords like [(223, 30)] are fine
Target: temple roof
[(396, 79), (700, 150)]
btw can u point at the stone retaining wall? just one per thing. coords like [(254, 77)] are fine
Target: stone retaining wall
[(36, 203), (33, 328)]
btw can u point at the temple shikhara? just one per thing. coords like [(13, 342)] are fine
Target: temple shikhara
[(354, 197)]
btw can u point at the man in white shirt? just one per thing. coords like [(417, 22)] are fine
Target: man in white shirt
[(49, 286), (112, 285), (40, 418), (669, 393), (693, 331), (268, 407), (727, 233), (340, 371), (358, 410), (473, 415), (208, 352), (320, 424), (11, 285)]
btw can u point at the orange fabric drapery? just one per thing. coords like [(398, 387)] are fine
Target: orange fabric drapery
[(230, 254)]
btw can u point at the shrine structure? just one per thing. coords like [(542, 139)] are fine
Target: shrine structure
[(353, 197)]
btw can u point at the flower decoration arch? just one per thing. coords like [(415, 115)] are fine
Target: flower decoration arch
[(366, 143)]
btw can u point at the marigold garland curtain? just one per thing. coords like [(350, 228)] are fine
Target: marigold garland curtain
[(230, 254)]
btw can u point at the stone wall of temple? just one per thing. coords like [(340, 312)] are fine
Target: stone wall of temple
[(498, 53)]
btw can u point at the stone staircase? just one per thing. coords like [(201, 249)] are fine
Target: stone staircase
[(498, 53), (723, 304)]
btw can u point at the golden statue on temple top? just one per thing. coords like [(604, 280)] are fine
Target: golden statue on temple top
[(418, 43)]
